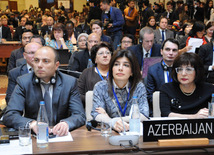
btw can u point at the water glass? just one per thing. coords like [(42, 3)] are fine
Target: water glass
[(24, 136), (211, 109), (105, 129)]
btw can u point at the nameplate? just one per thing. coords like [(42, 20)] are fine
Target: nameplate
[(153, 130)]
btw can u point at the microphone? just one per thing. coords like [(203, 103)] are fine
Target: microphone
[(123, 139)]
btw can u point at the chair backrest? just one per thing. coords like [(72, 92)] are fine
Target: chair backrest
[(147, 62), (156, 104), (75, 74), (88, 104), (64, 56)]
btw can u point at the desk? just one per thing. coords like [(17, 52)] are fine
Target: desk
[(7, 47), (92, 142)]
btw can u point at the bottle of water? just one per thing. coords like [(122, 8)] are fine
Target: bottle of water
[(212, 100), (134, 122), (90, 64), (42, 126), (211, 107)]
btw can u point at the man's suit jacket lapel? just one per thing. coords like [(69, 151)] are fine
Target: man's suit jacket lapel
[(55, 98), (37, 91), (167, 33), (24, 70), (160, 74), (139, 53), (159, 34)]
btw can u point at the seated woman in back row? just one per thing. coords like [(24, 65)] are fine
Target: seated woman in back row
[(115, 95), (59, 38), (187, 96), (100, 56)]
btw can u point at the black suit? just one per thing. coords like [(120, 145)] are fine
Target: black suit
[(44, 29), (83, 28), (146, 14), (12, 76), (20, 62), (15, 55), (18, 34), (79, 61), (6, 34), (173, 16), (94, 13), (138, 51), (66, 102), (206, 54)]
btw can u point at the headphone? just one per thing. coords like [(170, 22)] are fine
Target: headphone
[(92, 125), (165, 67), (52, 80)]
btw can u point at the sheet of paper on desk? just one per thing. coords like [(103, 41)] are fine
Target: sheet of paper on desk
[(61, 139), (195, 43), (14, 148)]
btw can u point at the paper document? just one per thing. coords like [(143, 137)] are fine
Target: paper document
[(14, 148), (62, 138), (195, 43)]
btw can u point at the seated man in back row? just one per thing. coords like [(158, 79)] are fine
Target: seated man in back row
[(160, 73), (146, 48), (65, 111)]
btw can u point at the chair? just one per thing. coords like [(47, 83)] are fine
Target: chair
[(156, 104), (64, 56), (88, 105)]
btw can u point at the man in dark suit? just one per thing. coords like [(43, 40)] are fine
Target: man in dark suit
[(35, 38), (148, 48), (170, 13), (79, 61), (47, 28), (146, 13), (19, 29), (159, 73), (83, 27), (65, 110), (25, 68), (163, 33), (5, 34), (206, 54), (94, 12), (18, 53)]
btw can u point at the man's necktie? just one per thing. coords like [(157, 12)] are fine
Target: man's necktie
[(48, 102), (162, 36), (147, 54)]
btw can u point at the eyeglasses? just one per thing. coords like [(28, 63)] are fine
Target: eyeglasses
[(188, 70), (128, 42), (102, 53)]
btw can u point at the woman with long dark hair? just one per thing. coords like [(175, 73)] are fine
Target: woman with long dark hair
[(114, 96)]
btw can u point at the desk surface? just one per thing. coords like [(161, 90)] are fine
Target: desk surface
[(93, 142), (7, 47)]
